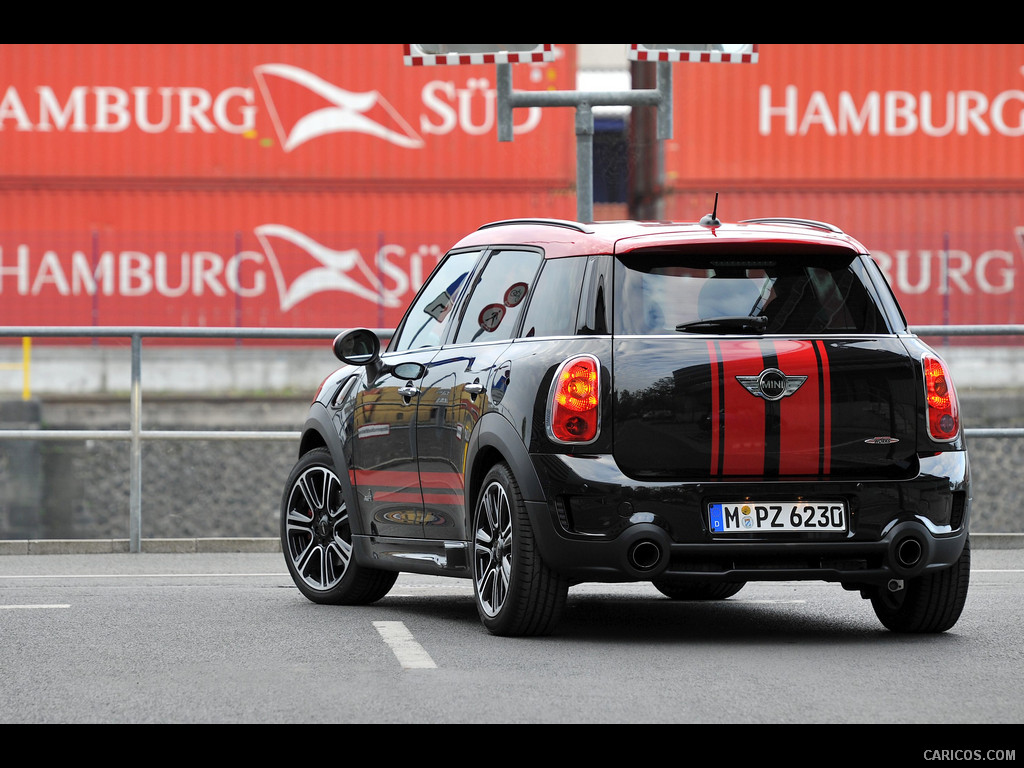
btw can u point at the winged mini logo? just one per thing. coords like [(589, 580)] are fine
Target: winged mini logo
[(771, 384)]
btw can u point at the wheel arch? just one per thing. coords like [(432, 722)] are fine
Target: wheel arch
[(318, 432), (312, 438), (494, 440)]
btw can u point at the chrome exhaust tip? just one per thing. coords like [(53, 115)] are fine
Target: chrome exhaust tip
[(909, 552), (645, 555)]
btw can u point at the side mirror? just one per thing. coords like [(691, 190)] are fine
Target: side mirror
[(359, 346)]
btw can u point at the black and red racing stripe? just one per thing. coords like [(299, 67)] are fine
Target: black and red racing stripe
[(754, 435)]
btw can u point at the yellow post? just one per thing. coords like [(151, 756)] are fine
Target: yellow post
[(26, 361)]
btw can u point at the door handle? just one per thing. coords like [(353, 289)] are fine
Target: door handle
[(475, 388), (410, 390)]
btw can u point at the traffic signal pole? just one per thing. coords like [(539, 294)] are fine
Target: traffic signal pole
[(659, 97)]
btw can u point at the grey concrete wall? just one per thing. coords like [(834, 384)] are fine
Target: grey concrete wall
[(106, 368), (79, 489)]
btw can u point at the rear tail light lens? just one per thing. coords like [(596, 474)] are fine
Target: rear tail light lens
[(574, 404), (940, 400)]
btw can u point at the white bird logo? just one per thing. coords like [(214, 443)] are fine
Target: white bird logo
[(329, 277), (347, 111)]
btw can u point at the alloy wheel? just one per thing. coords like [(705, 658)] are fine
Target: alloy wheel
[(318, 536), (492, 549)]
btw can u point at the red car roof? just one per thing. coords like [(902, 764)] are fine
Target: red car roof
[(567, 238)]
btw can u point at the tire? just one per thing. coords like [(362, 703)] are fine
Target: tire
[(316, 538), (516, 593), (929, 603), (697, 590)]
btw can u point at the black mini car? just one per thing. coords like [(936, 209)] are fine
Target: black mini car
[(694, 405)]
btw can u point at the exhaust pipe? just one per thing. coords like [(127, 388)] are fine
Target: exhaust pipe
[(646, 546), (644, 555), (909, 552)]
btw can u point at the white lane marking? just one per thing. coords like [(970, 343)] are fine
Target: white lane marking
[(132, 575), (767, 601), (65, 576), (14, 607), (409, 653)]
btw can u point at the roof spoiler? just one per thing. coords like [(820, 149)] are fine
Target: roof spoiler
[(800, 222)]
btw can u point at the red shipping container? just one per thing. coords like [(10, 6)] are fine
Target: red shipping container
[(167, 113), (252, 259), (255, 185), (864, 116), (130, 196), (951, 257)]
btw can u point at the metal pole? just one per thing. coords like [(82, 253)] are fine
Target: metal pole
[(945, 283), (26, 368), (664, 88), (135, 465), (584, 162), (503, 77), (509, 99)]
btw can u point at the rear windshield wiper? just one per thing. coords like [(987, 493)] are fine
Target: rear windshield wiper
[(725, 325)]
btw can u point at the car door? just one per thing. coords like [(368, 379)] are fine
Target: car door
[(385, 472), (463, 378)]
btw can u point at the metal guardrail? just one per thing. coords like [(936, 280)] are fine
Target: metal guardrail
[(23, 366), (135, 434), (976, 330)]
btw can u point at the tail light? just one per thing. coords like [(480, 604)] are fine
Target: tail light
[(574, 403), (940, 400)]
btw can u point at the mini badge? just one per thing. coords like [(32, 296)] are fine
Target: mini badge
[(771, 384), (882, 440)]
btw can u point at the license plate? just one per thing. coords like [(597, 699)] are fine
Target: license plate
[(777, 517)]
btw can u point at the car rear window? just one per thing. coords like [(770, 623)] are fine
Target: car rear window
[(669, 293)]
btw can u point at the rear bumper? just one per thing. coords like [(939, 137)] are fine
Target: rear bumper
[(599, 525)]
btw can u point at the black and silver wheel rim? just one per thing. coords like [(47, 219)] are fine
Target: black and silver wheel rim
[(492, 550), (317, 532)]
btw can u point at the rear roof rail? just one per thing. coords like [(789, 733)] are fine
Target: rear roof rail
[(549, 222), (801, 222)]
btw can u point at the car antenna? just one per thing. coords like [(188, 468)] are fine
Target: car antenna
[(711, 219)]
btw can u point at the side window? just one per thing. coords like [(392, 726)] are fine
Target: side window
[(552, 310), (596, 301), (881, 292), (499, 294), (426, 320)]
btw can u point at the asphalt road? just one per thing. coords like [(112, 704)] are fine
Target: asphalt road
[(226, 638)]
